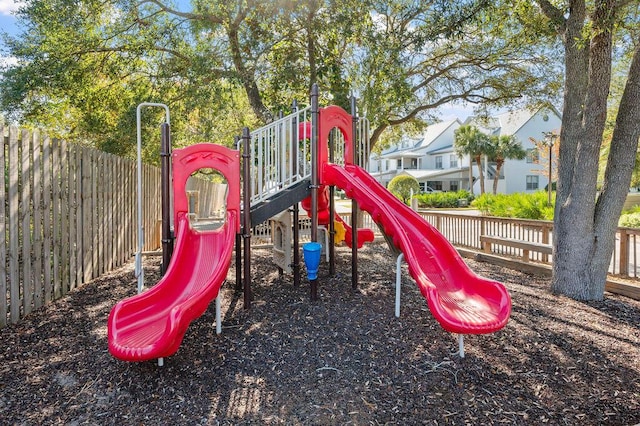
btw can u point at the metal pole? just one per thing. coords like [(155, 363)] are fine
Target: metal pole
[(238, 262), (332, 212), (399, 260), (296, 208), (238, 146), (550, 167), (315, 184), (165, 172), (548, 140), (246, 228), (139, 270), (354, 204)]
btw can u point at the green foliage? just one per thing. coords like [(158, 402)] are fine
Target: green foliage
[(633, 209), (443, 199), (630, 220), (501, 148), (518, 205), (83, 67), (469, 140), (401, 186)]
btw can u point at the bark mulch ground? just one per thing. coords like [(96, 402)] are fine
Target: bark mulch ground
[(345, 359)]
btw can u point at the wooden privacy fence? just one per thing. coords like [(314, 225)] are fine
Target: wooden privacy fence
[(68, 216)]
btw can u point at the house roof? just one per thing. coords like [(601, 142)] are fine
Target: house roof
[(409, 147), (406, 153), (426, 174), (435, 130), (512, 121), (395, 151), (441, 150), (508, 123)]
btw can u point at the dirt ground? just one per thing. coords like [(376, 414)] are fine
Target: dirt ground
[(343, 360)]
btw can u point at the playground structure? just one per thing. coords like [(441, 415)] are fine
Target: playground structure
[(293, 161)]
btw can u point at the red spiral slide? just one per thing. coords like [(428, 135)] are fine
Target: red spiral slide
[(152, 324)]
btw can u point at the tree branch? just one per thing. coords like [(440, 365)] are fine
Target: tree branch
[(191, 16), (554, 14)]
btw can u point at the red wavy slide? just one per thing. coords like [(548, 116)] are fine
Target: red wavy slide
[(152, 324), (461, 301)]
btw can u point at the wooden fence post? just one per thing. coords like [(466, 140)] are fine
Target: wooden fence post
[(14, 236), (3, 233), (623, 261)]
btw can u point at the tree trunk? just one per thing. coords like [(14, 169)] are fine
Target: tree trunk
[(620, 164), (584, 230), (480, 173), (471, 175), (499, 163), (247, 78)]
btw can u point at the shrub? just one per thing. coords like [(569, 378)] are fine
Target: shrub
[(401, 187), (520, 205), (630, 220), (443, 199)]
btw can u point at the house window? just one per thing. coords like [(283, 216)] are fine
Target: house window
[(532, 182), (414, 163), (438, 161), (453, 160), (453, 185), (435, 184), (399, 164), (532, 156), (422, 186)]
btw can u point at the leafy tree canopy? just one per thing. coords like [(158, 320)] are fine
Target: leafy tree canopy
[(84, 66)]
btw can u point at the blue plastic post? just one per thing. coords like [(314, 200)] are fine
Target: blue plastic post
[(312, 252)]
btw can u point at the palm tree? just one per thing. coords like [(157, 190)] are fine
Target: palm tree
[(468, 140), (501, 148)]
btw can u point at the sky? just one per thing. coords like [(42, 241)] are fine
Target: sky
[(7, 24), (7, 21)]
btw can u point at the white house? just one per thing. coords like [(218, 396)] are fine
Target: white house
[(434, 163)]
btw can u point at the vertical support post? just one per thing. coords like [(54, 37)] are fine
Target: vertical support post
[(624, 253), (218, 315), (238, 262), (549, 185), (315, 184), (354, 204), (282, 163), (545, 240), (246, 215), (238, 146), (296, 208), (331, 249), (165, 173), (139, 268), (398, 282)]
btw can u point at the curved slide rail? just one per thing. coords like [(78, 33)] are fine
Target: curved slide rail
[(461, 301), (152, 324)]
